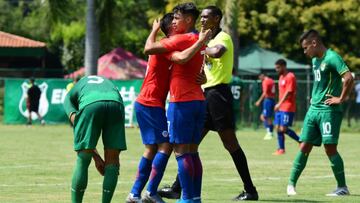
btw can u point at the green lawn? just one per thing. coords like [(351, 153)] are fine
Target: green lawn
[(37, 161)]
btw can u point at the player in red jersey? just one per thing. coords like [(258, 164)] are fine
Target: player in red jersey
[(286, 106), (186, 113), (268, 98)]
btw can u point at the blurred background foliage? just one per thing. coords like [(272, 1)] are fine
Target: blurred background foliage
[(273, 24)]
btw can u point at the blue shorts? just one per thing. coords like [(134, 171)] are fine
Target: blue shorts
[(186, 121), (268, 107), (283, 118), (152, 123)]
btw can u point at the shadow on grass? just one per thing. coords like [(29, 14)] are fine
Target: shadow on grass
[(290, 200)]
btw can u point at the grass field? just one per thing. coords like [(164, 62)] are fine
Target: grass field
[(36, 166)]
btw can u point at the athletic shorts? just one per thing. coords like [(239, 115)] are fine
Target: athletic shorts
[(321, 127), (283, 118), (268, 107), (102, 117), (186, 121), (34, 106), (153, 124), (219, 109)]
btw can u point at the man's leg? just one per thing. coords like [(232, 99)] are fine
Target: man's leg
[(231, 144), (144, 170), (299, 163), (185, 170), (111, 173), (337, 164), (158, 167), (80, 175)]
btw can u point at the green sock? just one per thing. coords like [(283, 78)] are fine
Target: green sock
[(80, 177), (298, 166), (337, 166), (110, 181)]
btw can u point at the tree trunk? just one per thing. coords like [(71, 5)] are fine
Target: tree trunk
[(92, 43), (230, 25)]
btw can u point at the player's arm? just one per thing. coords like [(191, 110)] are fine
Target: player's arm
[(348, 81), (151, 45), (70, 107), (185, 55), (99, 162), (287, 94), (216, 51), (261, 98)]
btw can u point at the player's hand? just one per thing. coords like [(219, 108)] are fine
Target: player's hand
[(72, 118), (201, 78), (331, 100), (205, 35), (276, 108), (156, 25), (257, 103), (99, 163)]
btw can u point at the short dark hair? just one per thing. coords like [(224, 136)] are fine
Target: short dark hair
[(187, 9), (165, 23), (310, 34), (215, 11), (280, 62)]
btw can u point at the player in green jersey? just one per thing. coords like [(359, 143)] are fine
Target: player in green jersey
[(332, 83), (94, 106)]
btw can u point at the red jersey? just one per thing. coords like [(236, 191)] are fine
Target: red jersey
[(155, 87), (268, 87), (183, 86), (288, 83)]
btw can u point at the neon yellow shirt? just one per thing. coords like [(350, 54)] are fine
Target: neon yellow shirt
[(219, 70)]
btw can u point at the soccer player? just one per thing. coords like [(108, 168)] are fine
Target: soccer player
[(219, 112), (332, 83), (33, 101), (94, 106), (286, 106), (186, 112), (150, 113), (268, 98)]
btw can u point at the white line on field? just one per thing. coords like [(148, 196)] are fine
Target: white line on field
[(131, 181)]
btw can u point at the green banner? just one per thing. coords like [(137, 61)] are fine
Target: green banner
[(53, 92)]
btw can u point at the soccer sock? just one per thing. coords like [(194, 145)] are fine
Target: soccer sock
[(80, 177), (110, 180), (271, 128), (266, 125), (142, 176), (281, 140), (157, 172), (337, 166), (186, 175), (292, 134), (240, 162), (198, 171), (298, 166)]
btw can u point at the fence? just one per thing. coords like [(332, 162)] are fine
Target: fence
[(245, 93)]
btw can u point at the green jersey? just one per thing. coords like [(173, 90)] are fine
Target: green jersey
[(327, 80), (88, 90)]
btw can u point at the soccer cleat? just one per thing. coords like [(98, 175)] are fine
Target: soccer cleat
[(42, 122), (279, 152), (245, 196), (290, 190), (131, 199), (147, 198), (268, 136), (169, 192), (339, 191)]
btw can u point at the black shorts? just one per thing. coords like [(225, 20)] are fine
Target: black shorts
[(219, 109), (34, 106)]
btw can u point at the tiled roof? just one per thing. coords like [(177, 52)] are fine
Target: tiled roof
[(10, 40)]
